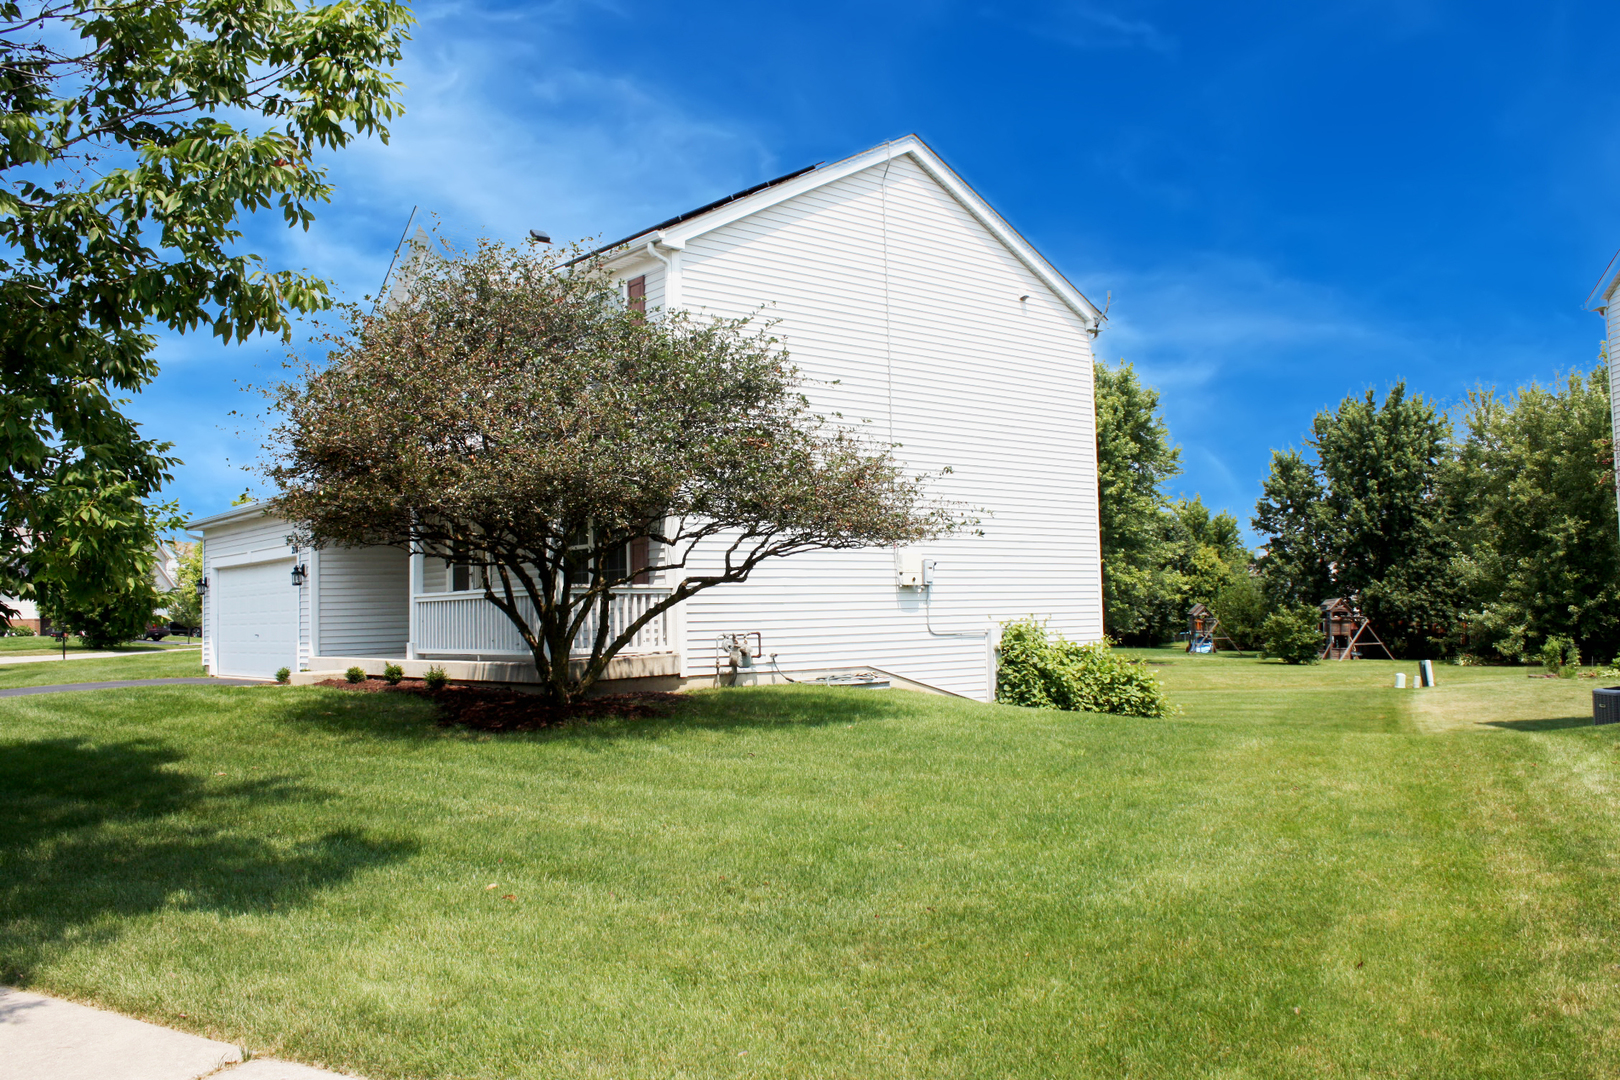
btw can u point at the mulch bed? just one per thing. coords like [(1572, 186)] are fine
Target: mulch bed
[(485, 708)]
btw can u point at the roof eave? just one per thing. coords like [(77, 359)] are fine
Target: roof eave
[(931, 163), (678, 231), (234, 514)]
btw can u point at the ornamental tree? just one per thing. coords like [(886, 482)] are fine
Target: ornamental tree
[(510, 413), (132, 138)]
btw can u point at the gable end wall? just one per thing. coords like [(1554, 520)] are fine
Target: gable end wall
[(903, 311)]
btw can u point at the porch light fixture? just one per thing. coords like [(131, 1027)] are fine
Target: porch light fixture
[(202, 587), (298, 575)]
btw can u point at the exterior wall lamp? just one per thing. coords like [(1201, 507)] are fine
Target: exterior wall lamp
[(298, 575), (202, 587)]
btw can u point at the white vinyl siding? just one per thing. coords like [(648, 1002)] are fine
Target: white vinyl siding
[(364, 606), (903, 312), (435, 575), (1611, 319)]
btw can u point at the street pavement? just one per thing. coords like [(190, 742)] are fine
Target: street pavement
[(7, 661)]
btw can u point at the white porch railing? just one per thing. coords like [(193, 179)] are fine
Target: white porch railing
[(465, 624)]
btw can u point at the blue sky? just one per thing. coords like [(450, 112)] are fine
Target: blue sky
[(1289, 203)]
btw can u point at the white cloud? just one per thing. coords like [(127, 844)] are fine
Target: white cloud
[(1241, 353), (1085, 25), (1217, 316)]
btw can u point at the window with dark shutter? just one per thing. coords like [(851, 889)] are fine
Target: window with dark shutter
[(640, 558), (636, 293)]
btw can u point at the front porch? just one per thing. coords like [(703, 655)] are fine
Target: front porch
[(640, 671), (465, 626), (437, 616)]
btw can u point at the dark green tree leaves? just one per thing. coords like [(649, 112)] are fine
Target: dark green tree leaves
[(1134, 461), (132, 138), (1366, 519), (1291, 515), (1533, 493)]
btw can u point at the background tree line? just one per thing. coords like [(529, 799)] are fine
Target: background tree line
[(1487, 530)]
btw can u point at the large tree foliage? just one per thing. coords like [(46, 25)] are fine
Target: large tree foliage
[(514, 416), (1295, 564), (1534, 492), (132, 138), (1367, 519), (1135, 459), (1199, 555)]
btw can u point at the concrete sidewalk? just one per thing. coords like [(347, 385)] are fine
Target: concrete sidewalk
[(44, 1038), (6, 661), (123, 684)]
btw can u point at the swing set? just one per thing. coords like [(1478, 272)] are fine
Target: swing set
[(1346, 632), (1204, 632)]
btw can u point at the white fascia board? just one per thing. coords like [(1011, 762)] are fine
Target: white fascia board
[(676, 236), (230, 517), (1608, 284)]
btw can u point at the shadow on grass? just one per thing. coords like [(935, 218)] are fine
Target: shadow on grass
[(1551, 723), (411, 716), (406, 716), (91, 834), (753, 707)]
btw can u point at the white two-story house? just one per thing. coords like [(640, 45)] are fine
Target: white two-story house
[(911, 307)]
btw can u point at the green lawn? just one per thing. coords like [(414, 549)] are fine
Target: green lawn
[(1307, 873), (161, 664), (43, 646)]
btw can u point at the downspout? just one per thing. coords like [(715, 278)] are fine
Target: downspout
[(672, 288)]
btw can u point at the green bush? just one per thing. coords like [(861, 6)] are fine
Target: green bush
[(1241, 607), (21, 630), (123, 618), (356, 674), (1559, 656), (1046, 673), (1294, 637), (435, 678), (283, 675), (393, 673)]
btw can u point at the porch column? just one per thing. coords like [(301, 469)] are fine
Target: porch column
[(418, 561)]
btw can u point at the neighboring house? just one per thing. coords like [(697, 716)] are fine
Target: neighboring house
[(911, 306), (165, 574)]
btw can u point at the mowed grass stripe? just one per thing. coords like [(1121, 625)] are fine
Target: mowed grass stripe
[(792, 882)]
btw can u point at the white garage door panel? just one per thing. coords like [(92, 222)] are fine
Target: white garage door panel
[(257, 609)]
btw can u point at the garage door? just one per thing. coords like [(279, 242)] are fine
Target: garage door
[(255, 619)]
